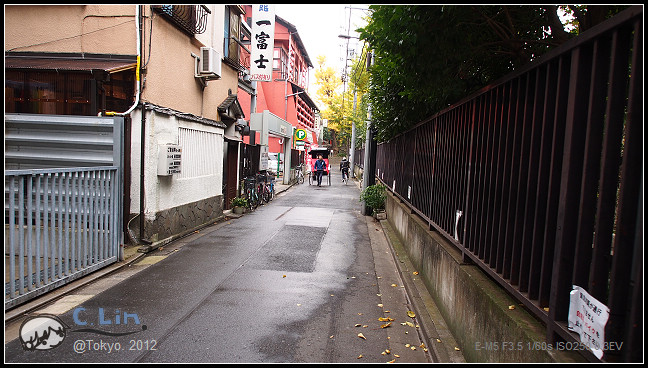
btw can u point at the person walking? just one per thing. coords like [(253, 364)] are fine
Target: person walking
[(320, 166)]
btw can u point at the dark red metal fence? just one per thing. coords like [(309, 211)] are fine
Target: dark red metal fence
[(538, 179)]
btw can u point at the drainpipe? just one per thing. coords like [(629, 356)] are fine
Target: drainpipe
[(138, 34), (137, 68)]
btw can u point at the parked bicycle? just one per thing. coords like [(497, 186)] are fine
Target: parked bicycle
[(251, 193), (300, 174), (270, 188), (266, 187)]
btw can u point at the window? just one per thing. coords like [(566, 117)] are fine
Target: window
[(66, 93), (280, 62), (232, 33)]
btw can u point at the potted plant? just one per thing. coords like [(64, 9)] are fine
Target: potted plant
[(238, 205), (374, 196)]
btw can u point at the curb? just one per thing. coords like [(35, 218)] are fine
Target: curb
[(437, 335), (51, 296)]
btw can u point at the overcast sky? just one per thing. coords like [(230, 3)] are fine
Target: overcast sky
[(319, 26)]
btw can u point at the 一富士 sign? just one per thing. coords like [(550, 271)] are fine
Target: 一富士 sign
[(262, 45)]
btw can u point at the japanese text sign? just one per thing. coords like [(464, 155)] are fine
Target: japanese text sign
[(587, 317), (262, 46)]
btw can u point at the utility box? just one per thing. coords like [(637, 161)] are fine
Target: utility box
[(169, 159)]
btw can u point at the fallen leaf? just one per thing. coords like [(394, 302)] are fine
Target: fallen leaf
[(385, 325), (511, 307), (394, 285), (360, 335), (409, 324), (407, 345), (415, 272), (284, 276), (357, 325), (413, 347), (385, 319), (457, 349), (391, 361), (360, 356), (411, 314), (438, 340), (397, 356), (380, 305)]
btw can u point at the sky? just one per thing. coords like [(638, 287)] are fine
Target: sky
[(319, 26)]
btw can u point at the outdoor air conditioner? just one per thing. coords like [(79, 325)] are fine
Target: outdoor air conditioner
[(210, 62)]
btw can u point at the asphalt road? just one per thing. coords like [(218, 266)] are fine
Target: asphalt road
[(299, 280)]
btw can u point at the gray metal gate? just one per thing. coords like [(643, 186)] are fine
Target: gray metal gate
[(63, 200)]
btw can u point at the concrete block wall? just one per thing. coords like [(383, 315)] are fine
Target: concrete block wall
[(475, 307)]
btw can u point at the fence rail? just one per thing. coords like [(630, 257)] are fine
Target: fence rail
[(538, 179), (60, 224)]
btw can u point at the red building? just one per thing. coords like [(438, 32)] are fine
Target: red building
[(286, 95)]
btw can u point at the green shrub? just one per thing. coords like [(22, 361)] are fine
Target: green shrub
[(374, 196), (239, 202)]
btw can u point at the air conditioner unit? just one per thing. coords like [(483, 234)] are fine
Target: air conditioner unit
[(210, 62)]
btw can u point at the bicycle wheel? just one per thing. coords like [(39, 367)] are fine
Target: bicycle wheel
[(261, 194), (300, 178), (251, 199), (310, 178)]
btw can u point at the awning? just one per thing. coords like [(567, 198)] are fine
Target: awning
[(70, 62)]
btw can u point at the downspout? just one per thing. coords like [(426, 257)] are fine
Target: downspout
[(138, 34), (137, 67)]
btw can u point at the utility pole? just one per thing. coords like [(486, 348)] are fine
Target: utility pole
[(368, 178)]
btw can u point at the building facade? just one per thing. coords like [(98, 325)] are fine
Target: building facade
[(286, 96), (168, 70)]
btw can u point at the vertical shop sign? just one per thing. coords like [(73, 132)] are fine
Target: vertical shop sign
[(262, 47)]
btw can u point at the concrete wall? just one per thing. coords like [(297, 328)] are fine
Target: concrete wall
[(475, 308), (181, 202)]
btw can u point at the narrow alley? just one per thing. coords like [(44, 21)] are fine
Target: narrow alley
[(297, 280)]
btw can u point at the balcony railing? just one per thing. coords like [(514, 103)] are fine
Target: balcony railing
[(191, 19)]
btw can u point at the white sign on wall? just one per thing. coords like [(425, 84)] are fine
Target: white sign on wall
[(587, 317), (169, 159), (262, 46)]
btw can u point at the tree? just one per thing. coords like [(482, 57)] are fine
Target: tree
[(428, 57), (338, 102)]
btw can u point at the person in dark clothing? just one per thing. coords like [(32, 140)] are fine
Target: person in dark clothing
[(320, 165), (344, 167)]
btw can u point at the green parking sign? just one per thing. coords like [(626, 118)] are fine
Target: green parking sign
[(300, 134)]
